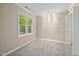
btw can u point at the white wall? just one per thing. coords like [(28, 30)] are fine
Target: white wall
[(75, 31), (52, 26), (9, 39), (0, 26), (0, 33)]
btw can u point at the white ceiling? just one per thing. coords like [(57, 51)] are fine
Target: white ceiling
[(43, 8)]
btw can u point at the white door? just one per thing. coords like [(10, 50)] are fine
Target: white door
[(68, 27)]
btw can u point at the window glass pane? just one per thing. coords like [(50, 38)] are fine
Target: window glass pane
[(22, 19), (29, 29), (22, 29), (22, 24), (29, 21)]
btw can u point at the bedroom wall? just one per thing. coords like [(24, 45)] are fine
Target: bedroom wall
[(9, 39), (0, 33), (52, 26)]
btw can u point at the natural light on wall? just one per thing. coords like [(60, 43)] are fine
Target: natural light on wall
[(54, 19), (50, 19), (44, 19)]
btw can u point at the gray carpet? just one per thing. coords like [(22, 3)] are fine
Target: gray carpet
[(43, 48)]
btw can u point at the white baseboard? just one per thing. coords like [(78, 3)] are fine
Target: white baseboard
[(53, 40), (18, 47), (30, 42)]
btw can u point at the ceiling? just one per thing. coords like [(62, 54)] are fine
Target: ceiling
[(43, 8)]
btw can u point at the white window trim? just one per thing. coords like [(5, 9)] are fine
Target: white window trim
[(26, 34)]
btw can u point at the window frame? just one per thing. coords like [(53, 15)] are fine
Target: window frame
[(26, 33)]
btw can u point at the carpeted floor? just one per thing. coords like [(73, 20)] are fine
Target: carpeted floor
[(43, 48)]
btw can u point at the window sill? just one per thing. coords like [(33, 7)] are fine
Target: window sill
[(20, 36)]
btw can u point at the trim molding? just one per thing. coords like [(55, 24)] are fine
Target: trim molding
[(32, 41), (63, 42), (19, 47), (72, 6), (25, 9)]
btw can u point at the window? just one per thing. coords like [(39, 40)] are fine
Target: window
[(24, 24), (29, 25)]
